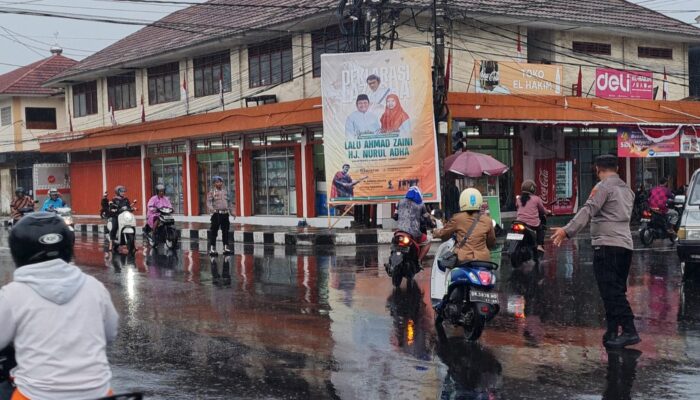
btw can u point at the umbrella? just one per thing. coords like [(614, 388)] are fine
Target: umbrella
[(474, 165)]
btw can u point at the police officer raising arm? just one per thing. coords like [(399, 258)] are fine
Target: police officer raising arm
[(220, 207), (608, 209)]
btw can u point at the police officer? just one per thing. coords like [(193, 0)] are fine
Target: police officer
[(609, 208), (219, 206)]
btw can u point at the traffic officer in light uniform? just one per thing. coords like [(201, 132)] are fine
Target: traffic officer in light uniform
[(220, 207), (609, 209)]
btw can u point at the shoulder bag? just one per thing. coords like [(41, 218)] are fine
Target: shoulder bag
[(449, 258)]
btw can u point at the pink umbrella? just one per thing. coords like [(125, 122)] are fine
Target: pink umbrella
[(474, 165)]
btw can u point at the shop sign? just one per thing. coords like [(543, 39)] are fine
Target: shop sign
[(48, 176), (378, 125), (557, 184), (622, 84), (502, 77), (690, 141), (648, 142)]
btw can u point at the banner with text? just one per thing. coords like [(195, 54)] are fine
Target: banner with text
[(620, 84), (690, 141), (378, 126), (503, 77), (642, 142)]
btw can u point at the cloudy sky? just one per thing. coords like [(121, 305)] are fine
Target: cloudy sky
[(26, 38)]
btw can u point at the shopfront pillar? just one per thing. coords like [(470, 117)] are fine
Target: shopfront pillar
[(143, 181), (681, 172), (104, 170), (247, 177), (304, 179), (188, 176)]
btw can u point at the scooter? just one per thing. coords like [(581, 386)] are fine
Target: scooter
[(463, 295), (654, 226), (405, 259), (66, 213), (521, 244), (165, 232), (126, 234)]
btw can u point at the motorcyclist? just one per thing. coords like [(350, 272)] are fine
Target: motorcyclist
[(118, 202), (483, 237), (59, 318), (21, 200), (413, 217), (531, 211), (658, 199), (54, 201), (159, 200)]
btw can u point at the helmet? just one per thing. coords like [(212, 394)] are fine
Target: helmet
[(160, 187), (415, 195), (53, 192), (217, 178), (470, 200), (19, 190), (529, 186), (119, 190), (40, 236)]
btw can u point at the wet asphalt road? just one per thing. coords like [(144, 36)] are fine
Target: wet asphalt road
[(274, 323)]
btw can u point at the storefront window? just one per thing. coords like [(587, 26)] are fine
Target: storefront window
[(650, 170), (167, 171), (584, 145), (274, 182), (213, 164)]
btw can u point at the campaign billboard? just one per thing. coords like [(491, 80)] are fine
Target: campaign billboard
[(622, 84), (504, 77), (378, 125), (690, 141), (643, 142)]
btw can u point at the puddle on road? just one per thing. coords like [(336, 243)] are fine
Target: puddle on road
[(270, 322)]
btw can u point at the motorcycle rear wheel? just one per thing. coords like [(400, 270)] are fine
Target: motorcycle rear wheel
[(473, 330), (647, 236), (130, 242), (396, 278)]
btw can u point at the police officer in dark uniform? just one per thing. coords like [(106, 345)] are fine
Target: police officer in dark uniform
[(609, 209)]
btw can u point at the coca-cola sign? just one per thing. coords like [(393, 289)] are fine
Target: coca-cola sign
[(622, 84)]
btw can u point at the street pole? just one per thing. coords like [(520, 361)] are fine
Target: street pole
[(439, 95)]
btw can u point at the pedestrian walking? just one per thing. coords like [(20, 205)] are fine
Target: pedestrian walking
[(608, 209), (220, 207)]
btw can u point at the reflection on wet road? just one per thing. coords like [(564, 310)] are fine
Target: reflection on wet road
[(274, 323)]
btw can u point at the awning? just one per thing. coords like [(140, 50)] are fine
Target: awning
[(571, 110), (293, 113)]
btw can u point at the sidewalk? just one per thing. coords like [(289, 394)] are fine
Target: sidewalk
[(256, 234)]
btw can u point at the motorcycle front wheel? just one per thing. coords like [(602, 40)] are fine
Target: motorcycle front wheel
[(647, 236), (130, 242)]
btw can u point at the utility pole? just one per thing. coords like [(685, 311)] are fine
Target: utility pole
[(439, 95)]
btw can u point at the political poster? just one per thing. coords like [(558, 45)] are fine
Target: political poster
[(620, 84), (690, 141), (502, 77), (378, 126), (648, 142)]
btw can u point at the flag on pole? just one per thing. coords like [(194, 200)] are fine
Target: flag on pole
[(221, 87), (579, 83), (184, 94), (519, 46), (566, 103), (448, 71), (143, 110), (665, 91), (112, 118), (70, 119)]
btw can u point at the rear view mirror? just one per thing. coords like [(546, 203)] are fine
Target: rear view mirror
[(679, 199)]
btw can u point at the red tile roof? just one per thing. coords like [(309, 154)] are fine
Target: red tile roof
[(27, 80), (221, 19)]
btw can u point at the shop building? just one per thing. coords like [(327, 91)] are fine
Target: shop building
[(28, 111), (173, 107)]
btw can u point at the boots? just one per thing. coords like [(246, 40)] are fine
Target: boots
[(611, 332), (629, 336)]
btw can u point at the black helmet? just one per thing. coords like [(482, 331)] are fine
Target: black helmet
[(19, 190), (40, 236)]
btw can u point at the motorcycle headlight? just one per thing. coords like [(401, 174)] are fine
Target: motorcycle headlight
[(68, 220)]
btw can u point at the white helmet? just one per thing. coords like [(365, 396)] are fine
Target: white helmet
[(470, 200)]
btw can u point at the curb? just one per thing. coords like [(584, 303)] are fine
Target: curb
[(321, 238)]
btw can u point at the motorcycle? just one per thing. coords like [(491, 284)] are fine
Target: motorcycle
[(126, 233), (521, 244), (66, 214), (405, 259), (654, 225), (465, 294), (165, 232)]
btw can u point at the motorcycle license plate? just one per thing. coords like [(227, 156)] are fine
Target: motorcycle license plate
[(645, 220), (515, 236), (477, 296)]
